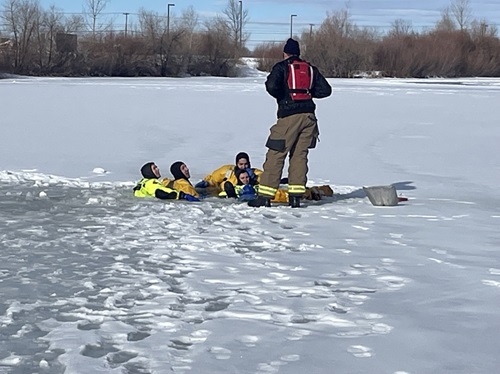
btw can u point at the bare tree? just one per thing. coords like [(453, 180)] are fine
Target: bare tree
[(461, 12), (188, 22), (186, 25), (216, 46), (331, 47), (481, 29), (150, 24), (237, 18), (268, 53), (74, 23), (92, 11), (338, 22), (21, 18), (51, 24), (153, 31), (400, 27), (457, 46), (446, 22)]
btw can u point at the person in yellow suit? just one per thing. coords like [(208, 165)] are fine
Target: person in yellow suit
[(224, 177), (150, 186), (181, 181)]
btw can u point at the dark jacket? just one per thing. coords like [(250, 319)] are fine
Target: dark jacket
[(277, 87)]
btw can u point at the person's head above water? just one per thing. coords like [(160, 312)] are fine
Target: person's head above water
[(180, 170), (150, 170), (242, 160)]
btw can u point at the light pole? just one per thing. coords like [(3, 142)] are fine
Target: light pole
[(291, 24), (126, 22), (168, 20)]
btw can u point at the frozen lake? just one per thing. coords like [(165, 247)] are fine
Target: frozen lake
[(93, 280)]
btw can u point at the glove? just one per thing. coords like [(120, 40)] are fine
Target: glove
[(247, 193), (312, 194), (248, 190), (251, 175), (201, 184), (187, 197), (250, 172)]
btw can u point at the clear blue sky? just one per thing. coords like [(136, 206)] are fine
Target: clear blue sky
[(270, 19)]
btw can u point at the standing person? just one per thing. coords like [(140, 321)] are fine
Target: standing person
[(150, 186), (293, 83)]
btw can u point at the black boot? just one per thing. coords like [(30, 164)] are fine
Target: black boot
[(294, 201), (229, 188), (260, 201)]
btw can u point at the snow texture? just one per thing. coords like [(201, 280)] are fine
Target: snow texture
[(93, 280)]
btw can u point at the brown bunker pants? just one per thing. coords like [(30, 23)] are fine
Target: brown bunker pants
[(293, 136)]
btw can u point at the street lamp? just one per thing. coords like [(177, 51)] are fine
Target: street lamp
[(311, 29), (291, 24), (126, 22), (168, 19)]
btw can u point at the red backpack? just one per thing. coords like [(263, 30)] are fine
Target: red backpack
[(300, 80)]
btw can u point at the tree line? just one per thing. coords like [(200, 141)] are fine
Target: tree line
[(37, 41), (457, 46)]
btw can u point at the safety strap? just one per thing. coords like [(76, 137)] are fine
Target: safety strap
[(267, 191), (296, 189), (139, 185)]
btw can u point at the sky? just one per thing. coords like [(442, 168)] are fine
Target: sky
[(94, 280), (269, 20)]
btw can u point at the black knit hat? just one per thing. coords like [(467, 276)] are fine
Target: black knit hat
[(147, 171), (241, 155), (292, 47), (175, 169)]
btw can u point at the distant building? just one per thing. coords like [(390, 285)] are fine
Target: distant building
[(66, 43)]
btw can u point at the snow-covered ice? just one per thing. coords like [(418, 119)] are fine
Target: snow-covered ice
[(93, 280)]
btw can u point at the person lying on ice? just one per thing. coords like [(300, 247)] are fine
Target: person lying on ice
[(226, 173), (181, 181), (244, 190), (150, 186)]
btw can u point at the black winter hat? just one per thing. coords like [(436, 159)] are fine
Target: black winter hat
[(241, 155), (147, 171), (292, 47), (175, 169)]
